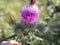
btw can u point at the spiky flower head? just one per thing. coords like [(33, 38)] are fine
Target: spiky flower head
[(29, 15)]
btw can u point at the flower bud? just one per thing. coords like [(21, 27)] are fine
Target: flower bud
[(33, 1)]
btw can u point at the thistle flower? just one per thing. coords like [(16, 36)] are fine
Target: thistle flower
[(29, 14)]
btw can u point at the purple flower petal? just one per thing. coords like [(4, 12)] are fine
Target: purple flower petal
[(29, 15)]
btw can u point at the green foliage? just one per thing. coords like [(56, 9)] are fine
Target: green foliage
[(10, 14)]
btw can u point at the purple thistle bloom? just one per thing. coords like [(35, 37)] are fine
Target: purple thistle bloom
[(29, 15)]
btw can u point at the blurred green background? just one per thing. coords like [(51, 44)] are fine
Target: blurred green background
[(10, 13)]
